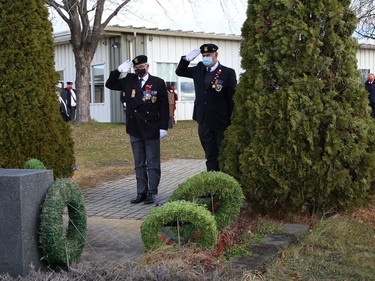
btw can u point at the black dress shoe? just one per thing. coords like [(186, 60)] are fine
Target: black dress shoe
[(140, 198), (151, 198)]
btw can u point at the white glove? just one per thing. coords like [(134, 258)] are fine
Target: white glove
[(125, 66), (193, 54), (163, 133)]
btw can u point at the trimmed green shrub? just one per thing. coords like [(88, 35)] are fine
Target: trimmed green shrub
[(63, 247), (176, 213), (301, 137), (34, 164), (31, 124), (225, 196)]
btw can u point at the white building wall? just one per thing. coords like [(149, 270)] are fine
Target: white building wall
[(366, 59), (64, 61)]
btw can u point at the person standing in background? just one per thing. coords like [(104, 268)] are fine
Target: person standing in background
[(72, 101), (63, 100), (370, 87), (172, 98), (215, 86)]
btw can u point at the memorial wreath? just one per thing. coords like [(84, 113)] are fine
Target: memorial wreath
[(219, 192), (177, 218), (62, 246)]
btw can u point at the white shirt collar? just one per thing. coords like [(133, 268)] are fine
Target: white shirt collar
[(214, 66), (145, 78)]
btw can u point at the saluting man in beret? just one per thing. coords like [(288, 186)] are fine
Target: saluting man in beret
[(213, 106), (147, 116)]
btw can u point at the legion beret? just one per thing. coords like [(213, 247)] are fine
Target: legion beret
[(209, 48), (139, 59), (69, 83)]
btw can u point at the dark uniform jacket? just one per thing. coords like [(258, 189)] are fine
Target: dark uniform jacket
[(213, 105), (370, 87), (67, 96), (147, 109)]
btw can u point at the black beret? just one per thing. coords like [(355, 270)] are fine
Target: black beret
[(69, 83), (139, 59), (209, 48)]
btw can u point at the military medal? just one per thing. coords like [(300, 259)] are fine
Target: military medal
[(219, 85), (133, 93), (215, 83), (149, 95)]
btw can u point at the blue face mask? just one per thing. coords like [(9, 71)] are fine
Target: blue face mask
[(207, 61)]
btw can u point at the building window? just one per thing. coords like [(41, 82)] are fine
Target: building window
[(363, 75), (97, 83), (184, 87)]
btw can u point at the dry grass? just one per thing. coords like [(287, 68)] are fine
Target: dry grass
[(103, 151)]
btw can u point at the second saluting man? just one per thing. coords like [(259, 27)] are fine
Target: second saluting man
[(147, 115), (214, 86)]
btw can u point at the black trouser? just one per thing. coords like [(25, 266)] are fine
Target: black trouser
[(72, 113), (372, 104), (211, 140)]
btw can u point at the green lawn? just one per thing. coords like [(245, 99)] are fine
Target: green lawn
[(103, 151)]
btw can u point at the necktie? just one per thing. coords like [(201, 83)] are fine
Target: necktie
[(208, 69), (140, 82)]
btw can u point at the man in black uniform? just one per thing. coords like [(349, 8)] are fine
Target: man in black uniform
[(214, 89), (147, 115)]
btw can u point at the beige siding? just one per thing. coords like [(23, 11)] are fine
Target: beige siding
[(366, 59)]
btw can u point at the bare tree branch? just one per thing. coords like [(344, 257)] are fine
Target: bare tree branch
[(115, 12)]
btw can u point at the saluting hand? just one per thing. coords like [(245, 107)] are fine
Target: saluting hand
[(193, 54), (125, 66)]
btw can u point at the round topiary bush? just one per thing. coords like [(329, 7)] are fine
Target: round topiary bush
[(34, 164), (178, 218), (63, 246), (222, 190)]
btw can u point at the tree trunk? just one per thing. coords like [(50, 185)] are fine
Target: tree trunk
[(83, 61)]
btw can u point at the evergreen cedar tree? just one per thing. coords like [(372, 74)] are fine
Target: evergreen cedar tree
[(31, 124), (301, 137)]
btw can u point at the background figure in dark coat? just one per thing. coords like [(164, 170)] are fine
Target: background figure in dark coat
[(370, 87), (213, 106), (147, 115), (63, 99), (71, 100)]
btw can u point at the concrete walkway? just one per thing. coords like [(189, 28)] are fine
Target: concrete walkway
[(114, 224)]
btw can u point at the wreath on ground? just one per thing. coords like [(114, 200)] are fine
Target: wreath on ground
[(175, 222), (219, 192), (62, 247)]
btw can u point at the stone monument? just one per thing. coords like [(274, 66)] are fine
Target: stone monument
[(22, 194)]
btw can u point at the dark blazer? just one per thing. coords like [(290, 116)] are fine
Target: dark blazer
[(64, 95), (370, 87), (213, 105), (146, 111), (67, 96)]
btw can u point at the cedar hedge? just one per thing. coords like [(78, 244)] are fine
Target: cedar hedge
[(31, 124), (301, 137)]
